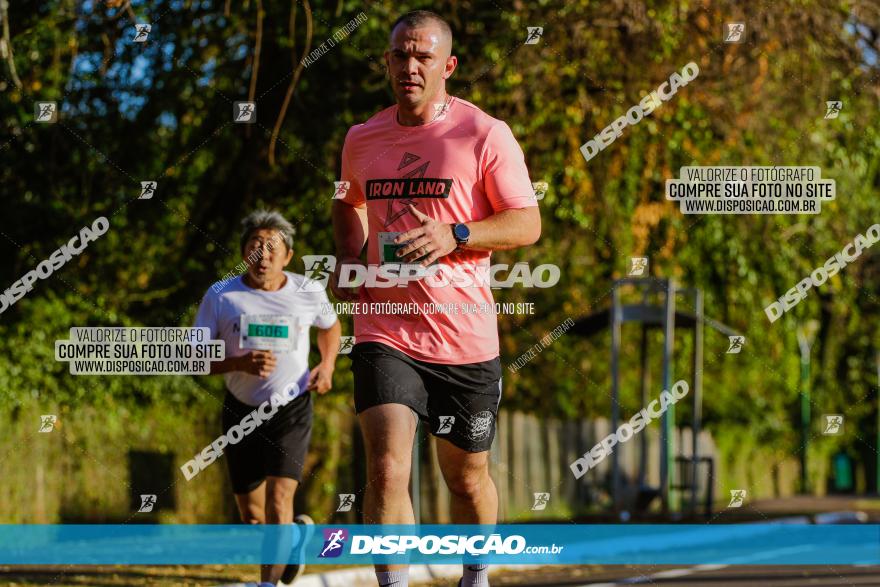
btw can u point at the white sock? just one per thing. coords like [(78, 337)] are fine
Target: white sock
[(475, 575), (393, 578)]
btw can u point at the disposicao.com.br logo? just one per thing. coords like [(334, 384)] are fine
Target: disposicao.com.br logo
[(431, 544), (334, 542)]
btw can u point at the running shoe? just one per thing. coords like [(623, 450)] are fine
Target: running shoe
[(295, 570)]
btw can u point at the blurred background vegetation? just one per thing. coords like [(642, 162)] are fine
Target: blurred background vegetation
[(161, 111)]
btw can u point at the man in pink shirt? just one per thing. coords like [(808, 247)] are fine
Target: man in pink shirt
[(436, 183)]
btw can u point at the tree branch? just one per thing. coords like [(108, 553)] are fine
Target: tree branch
[(6, 44), (296, 74), (257, 50)]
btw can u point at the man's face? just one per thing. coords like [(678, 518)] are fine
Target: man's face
[(266, 255), (418, 62)]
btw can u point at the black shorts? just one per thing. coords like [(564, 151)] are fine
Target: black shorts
[(276, 448), (457, 402)]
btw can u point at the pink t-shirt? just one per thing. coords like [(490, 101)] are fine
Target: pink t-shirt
[(462, 167)]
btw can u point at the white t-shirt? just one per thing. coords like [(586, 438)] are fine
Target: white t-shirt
[(222, 308)]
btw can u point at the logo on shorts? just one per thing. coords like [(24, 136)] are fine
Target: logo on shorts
[(446, 424), (346, 500), (480, 426), (334, 542)]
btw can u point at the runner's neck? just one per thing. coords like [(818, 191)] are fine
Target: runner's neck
[(427, 116)]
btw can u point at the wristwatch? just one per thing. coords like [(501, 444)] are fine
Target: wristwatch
[(461, 233)]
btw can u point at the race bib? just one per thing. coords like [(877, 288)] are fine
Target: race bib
[(269, 332), (388, 253)]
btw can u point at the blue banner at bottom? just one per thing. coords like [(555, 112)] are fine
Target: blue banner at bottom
[(546, 544)]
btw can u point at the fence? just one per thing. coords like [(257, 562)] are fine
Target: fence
[(93, 466)]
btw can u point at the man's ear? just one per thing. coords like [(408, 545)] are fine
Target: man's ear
[(288, 257), (451, 64)]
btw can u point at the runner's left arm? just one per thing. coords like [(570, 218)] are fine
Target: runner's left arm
[(515, 222), (350, 225), (508, 229)]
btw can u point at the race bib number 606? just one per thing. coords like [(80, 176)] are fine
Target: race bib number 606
[(268, 332)]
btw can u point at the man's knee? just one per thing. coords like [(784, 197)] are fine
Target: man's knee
[(279, 496), (252, 515), (468, 483), (281, 503), (389, 471)]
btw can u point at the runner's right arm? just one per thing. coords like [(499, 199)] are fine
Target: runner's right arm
[(350, 235), (350, 227)]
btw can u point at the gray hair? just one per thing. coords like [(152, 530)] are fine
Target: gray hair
[(270, 220)]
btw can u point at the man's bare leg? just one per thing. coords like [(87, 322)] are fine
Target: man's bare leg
[(474, 497), (252, 505), (388, 430), (271, 502), (279, 510)]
